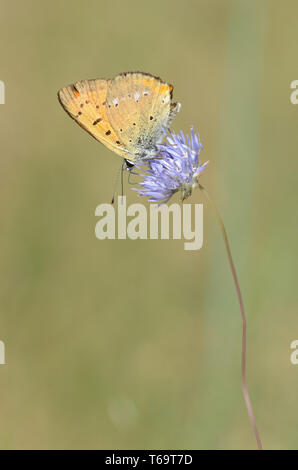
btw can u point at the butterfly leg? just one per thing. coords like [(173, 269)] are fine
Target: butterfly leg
[(121, 169)]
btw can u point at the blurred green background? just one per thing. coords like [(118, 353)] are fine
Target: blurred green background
[(136, 344)]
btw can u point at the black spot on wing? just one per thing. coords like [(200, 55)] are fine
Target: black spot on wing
[(96, 121)]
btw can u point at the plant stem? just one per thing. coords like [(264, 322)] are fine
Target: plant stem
[(243, 316)]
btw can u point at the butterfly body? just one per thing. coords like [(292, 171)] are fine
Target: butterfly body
[(127, 114)]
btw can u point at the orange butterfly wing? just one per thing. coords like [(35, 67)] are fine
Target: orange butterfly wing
[(85, 102)]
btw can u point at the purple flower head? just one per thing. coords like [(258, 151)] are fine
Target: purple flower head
[(175, 168)]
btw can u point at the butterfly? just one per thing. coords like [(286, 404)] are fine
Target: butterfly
[(128, 114)]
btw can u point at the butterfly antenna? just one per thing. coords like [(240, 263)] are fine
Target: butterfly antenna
[(122, 178), (116, 182)]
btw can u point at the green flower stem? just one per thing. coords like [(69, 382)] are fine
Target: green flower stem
[(240, 300)]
